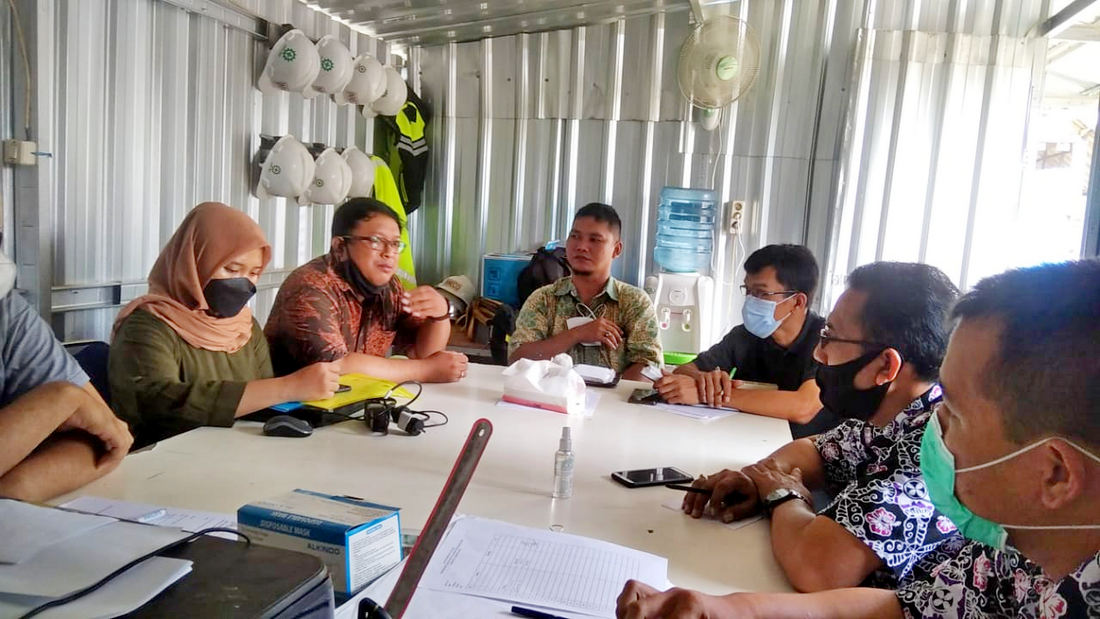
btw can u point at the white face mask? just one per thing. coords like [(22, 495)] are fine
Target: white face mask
[(939, 472)]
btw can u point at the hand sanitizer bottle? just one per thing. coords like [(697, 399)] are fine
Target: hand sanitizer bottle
[(563, 466)]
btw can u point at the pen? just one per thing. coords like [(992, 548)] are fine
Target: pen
[(533, 614), (731, 498), (151, 516), (733, 371)]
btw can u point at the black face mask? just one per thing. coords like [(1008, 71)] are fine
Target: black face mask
[(839, 394), (226, 297), (353, 276), (372, 295)]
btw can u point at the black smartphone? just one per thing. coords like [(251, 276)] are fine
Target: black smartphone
[(640, 478), (645, 396)]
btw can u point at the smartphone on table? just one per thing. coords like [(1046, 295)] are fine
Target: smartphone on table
[(640, 478)]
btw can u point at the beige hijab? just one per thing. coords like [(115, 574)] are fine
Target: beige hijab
[(210, 236)]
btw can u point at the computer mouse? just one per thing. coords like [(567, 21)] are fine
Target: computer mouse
[(288, 426)]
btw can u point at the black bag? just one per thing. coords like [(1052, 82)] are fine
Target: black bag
[(500, 327), (546, 267)]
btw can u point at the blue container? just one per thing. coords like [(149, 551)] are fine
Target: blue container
[(685, 229), (500, 276)]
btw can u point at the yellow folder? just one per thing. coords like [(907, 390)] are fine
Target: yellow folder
[(362, 388)]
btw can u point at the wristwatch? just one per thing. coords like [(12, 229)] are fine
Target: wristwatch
[(778, 497)]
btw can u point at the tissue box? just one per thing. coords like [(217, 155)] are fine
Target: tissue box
[(570, 405), (358, 541), (547, 384)]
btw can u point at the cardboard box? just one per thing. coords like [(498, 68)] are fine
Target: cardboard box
[(358, 541)]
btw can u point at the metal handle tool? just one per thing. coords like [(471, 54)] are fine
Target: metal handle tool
[(438, 521)]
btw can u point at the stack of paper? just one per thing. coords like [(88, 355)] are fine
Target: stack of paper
[(483, 566), (189, 520), (701, 412), (48, 554)]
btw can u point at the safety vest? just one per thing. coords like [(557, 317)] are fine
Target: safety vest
[(385, 191), (408, 155)]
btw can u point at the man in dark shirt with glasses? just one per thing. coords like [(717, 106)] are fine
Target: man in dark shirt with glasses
[(774, 345)]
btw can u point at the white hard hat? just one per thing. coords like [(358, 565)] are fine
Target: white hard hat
[(362, 172), (367, 83), (335, 61), (394, 99), (292, 65), (331, 180), (287, 171)]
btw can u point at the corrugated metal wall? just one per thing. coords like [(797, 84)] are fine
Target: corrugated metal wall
[(149, 109), (933, 160), (531, 127), (155, 111), (8, 57)]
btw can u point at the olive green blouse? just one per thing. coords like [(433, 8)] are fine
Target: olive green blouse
[(163, 386)]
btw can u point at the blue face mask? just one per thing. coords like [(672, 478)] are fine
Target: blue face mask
[(937, 465), (759, 316)]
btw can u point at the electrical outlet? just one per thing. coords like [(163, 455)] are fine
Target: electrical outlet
[(738, 215), (19, 152)]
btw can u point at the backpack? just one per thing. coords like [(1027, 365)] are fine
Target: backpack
[(546, 267), (500, 327)]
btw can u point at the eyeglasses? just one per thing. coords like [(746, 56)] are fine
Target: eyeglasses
[(763, 294), (827, 338), (376, 242)]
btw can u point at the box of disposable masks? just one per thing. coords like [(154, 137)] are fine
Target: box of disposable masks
[(357, 540)]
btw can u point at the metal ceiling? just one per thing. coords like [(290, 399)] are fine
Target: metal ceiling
[(431, 22)]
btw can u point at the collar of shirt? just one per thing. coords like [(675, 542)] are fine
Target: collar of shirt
[(338, 281), (922, 406), (796, 345), (565, 286), (1088, 575)]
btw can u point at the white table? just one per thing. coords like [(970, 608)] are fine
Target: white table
[(220, 469)]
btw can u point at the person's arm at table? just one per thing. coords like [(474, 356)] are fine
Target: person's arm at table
[(815, 552), (426, 307), (798, 406), (601, 330), (641, 338), (444, 366), (532, 340), (56, 438), (640, 601), (801, 454), (690, 385)]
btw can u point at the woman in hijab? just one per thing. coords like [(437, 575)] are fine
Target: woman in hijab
[(189, 353)]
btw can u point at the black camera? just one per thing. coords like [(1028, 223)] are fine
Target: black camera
[(381, 412)]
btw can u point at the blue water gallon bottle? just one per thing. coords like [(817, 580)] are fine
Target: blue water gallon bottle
[(685, 229)]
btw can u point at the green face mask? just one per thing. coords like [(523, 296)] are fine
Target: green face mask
[(937, 465)]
